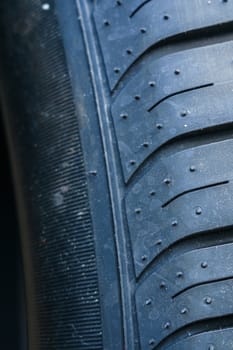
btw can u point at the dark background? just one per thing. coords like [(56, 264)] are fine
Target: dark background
[(11, 302)]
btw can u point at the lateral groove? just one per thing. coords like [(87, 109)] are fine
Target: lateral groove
[(194, 190), (178, 93), (139, 7)]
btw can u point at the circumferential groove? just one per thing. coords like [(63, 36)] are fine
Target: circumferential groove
[(139, 8), (194, 190), (207, 325), (179, 93)]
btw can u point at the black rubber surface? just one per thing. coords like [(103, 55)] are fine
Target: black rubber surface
[(169, 67), (126, 174), (51, 181)]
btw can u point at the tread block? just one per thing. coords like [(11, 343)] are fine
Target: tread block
[(154, 229), (124, 37), (182, 172), (217, 339), (183, 272), (178, 196), (204, 302), (176, 97)]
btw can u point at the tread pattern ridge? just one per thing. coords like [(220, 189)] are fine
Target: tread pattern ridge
[(175, 189)]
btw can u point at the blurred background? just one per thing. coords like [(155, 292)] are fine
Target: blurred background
[(12, 322)]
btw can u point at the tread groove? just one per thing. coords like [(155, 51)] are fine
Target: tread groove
[(178, 93), (194, 190), (210, 324), (139, 8), (201, 284), (185, 141), (176, 42), (209, 239)]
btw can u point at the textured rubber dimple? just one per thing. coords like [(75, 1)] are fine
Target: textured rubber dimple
[(152, 23)]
